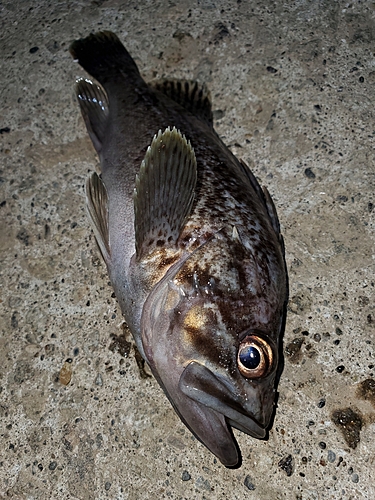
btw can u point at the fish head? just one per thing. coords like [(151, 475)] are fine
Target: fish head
[(212, 344)]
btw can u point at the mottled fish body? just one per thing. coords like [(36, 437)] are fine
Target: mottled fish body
[(191, 242)]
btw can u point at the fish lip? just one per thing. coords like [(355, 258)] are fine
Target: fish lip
[(203, 386)]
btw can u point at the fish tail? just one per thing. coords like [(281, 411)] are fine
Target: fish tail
[(104, 57)]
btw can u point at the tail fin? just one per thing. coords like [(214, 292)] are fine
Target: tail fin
[(104, 57)]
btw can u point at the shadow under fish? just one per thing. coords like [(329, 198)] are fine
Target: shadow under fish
[(192, 244)]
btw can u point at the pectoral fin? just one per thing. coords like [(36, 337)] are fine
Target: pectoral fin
[(164, 191), (97, 209)]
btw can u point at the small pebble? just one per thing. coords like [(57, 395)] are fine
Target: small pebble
[(355, 478), (309, 173), (248, 483), (321, 403), (322, 445), (331, 457), (65, 374), (52, 466), (186, 476), (99, 380), (107, 486), (340, 369)]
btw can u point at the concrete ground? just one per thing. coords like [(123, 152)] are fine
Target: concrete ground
[(293, 89)]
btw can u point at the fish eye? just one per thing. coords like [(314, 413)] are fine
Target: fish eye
[(254, 357)]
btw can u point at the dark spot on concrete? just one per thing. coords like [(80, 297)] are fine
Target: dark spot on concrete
[(221, 31), (180, 35), (350, 423), (342, 198), (23, 236), (363, 300), (14, 319), (33, 50), (272, 70), (67, 444), (120, 343), (140, 363), (4, 130), (286, 464), (293, 349), (366, 390), (322, 403), (23, 372)]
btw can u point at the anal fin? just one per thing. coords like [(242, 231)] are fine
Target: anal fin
[(97, 208)]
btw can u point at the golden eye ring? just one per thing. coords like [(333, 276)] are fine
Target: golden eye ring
[(255, 357)]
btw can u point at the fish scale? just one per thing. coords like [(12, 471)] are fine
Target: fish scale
[(192, 246)]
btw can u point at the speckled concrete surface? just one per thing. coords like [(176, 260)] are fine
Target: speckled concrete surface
[(293, 87)]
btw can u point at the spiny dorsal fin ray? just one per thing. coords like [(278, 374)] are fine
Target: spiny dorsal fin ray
[(164, 191), (264, 197), (95, 110), (193, 96), (97, 209)]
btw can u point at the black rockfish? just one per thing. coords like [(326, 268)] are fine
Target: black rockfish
[(191, 242)]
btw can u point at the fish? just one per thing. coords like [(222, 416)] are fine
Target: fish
[(192, 245)]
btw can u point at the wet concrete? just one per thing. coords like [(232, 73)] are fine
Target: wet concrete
[(293, 87)]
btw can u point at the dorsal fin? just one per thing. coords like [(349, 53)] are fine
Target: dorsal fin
[(97, 209), (264, 197), (164, 191), (95, 110), (193, 96)]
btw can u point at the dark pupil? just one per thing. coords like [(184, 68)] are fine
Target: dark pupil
[(250, 357)]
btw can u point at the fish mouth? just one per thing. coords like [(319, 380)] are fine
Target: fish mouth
[(201, 385)]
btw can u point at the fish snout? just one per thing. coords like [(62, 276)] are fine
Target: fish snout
[(249, 412)]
